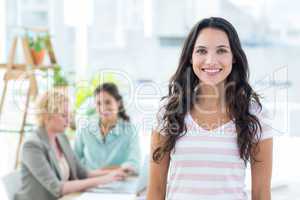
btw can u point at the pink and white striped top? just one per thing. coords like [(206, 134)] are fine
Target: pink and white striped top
[(206, 164)]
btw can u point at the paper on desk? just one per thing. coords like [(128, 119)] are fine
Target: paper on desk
[(101, 196), (128, 186)]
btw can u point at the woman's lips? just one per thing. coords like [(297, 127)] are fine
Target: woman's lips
[(106, 113), (211, 71)]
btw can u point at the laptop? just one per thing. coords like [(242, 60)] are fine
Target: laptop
[(132, 185)]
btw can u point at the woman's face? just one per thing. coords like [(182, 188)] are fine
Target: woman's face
[(107, 106), (212, 57), (58, 122)]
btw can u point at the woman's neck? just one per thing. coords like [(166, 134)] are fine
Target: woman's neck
[(53, 142), (51, 135), (107, 125), (211, 98)]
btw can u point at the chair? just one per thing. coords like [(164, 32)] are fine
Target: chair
[(12, 183)]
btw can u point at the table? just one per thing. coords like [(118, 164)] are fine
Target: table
[(70, 196), (105, 196), (120, 190)]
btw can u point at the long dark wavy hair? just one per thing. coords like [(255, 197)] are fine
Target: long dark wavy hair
[(112, 89), (239, 96)]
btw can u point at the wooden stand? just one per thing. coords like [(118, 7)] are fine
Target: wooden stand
[(24, 71)]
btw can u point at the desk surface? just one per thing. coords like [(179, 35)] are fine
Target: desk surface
[(70, 196), (106, 196), (109, 192)]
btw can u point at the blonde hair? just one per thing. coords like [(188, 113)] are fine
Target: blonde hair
[(51, 102)]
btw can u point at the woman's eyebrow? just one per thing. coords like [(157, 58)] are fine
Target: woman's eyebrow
[(219, 46), (223, 46), (200, 46)]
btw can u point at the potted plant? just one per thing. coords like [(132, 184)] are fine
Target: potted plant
[(38, 46), (58, 79)]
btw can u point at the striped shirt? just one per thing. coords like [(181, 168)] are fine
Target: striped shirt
[(206, 164)]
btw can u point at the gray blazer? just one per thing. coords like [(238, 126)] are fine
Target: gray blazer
[(40, 172)]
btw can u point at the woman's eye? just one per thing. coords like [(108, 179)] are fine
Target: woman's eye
[(220, 51), (201, 51)]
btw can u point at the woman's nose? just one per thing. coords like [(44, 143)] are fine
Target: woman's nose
[(210, 59)]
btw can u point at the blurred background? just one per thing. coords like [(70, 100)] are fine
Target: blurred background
[(136, 43)]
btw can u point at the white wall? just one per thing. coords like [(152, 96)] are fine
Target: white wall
[(2, 29)]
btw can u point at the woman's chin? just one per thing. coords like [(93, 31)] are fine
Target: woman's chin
[(62, 129), (106, 115), (108, 118), (212, 82)]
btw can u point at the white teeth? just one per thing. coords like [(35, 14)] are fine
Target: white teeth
[(212, 70)]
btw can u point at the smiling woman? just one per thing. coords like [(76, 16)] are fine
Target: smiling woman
[(212, 56), (99, 142), (211, 123)]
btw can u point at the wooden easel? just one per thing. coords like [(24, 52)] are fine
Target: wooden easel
[(24, 71)]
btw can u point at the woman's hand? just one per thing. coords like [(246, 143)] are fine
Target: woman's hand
[(81, 185), (119, 170), (116, 175), (128, 170)]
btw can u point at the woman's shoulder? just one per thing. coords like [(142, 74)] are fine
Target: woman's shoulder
[(32, 141), (265, 117), (125, 122), (35, 137), (128, 126), (35, 141), (260, 111)]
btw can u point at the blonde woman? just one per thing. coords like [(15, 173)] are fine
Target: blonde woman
[(49, 169)]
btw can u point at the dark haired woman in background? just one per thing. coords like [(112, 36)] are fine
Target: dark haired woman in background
[(211, 123), (108, 141)]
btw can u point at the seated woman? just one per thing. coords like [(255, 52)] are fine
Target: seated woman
[(49, 168), (108, 141)]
